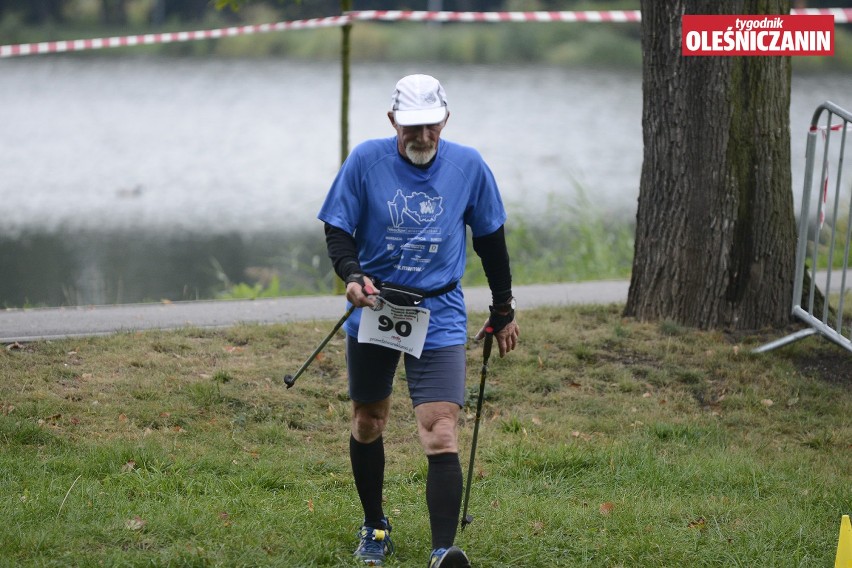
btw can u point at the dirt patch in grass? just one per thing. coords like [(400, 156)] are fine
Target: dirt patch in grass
[(832, 366)]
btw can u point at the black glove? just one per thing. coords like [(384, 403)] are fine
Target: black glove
[(358, 277), (501, 315)]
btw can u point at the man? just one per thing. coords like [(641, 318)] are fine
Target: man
[(395, 220)]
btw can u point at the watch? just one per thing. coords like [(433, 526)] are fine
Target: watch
[(511, 305)]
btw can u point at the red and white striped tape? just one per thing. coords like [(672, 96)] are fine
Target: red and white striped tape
[(577, 16), (847, 126), (167, 37), (841, 16)]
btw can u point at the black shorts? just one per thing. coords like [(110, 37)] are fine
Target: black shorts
[(437, 376)]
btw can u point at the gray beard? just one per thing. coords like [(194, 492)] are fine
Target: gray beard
[(420, 157)]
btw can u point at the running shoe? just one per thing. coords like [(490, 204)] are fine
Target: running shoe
[(374, 545), (452, 557)]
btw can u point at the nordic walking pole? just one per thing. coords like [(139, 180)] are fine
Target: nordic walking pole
[(486, 353), (290, 380)]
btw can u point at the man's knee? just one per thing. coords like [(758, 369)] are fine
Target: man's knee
[(369, 420), (438, 427)]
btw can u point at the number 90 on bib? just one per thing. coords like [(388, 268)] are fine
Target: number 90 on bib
[(397, 327)]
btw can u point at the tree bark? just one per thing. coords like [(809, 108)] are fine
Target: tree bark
[(715, 232)]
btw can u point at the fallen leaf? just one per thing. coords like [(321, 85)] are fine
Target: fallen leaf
[(128, 467), (122, 417), (537, 526), (135, 524), (767, 402), (698, 523), (311, 505), (606, 508)]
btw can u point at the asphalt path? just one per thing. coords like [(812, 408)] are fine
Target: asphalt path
[(23, 325)]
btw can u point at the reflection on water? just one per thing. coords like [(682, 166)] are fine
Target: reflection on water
[(93, 268)]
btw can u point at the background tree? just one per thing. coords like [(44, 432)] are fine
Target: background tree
[(715, 232)]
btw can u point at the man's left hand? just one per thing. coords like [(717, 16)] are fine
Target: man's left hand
[(507, 338)]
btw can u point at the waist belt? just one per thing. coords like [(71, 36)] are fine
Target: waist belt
[(416, 294)]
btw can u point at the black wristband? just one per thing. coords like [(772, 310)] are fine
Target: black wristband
[(497, 321), (357, 277)]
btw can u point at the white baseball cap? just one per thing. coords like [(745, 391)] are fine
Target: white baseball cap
[(419, 99)]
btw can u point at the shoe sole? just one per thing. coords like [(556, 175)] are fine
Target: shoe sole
[(369, 561), (454, 558)]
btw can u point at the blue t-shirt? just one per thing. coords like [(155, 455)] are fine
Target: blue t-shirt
[(409, 223)]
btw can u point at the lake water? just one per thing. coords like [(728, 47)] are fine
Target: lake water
[(252, 145), (151, 148)]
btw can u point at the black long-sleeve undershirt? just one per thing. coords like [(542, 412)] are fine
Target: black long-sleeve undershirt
[(491, 249), (343, 251), (494, 254)]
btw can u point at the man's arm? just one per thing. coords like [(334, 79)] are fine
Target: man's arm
[(492, 250), (343, 252), (495, 262)]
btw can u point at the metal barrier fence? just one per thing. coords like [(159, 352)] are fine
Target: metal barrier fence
[(825, 238)]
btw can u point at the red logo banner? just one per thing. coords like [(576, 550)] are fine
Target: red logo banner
[(757, 35)]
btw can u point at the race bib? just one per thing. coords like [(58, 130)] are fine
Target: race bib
[(398, 327)]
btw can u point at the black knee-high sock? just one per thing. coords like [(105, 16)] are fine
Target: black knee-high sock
[(443, 497), (368, 469)]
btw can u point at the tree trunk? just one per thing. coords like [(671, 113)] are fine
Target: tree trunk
[(114, 12), (715, 232)]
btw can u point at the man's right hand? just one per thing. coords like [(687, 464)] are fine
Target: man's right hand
[(361, 291)]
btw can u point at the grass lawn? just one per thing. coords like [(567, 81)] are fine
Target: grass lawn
[(604, 442)]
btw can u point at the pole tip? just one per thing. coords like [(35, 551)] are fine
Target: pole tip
[(289, 380)]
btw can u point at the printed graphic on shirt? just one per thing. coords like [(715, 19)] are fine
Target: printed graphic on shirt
[(414, 230), (417, 207)]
